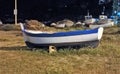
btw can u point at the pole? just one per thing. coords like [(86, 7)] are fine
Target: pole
[(15, 12)]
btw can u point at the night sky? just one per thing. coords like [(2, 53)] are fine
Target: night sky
[(52, 9)]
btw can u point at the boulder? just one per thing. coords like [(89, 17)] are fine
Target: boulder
[(34, 25), (53, 24), (66, 22)]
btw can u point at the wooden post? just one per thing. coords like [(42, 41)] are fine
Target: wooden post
[(52, 49), (15, 12)]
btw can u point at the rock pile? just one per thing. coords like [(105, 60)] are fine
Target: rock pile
[(63, 23), (34, 25)]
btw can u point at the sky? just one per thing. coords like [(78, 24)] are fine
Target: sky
[(53, 9)]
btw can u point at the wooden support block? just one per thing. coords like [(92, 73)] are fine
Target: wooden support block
[(52, 49)]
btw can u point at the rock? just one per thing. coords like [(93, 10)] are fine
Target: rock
[(62, 25), (83, 24), (34, 24), (53, 24), (78, 23), (68, 23), (59, 25)]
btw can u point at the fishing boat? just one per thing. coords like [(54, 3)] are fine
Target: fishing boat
[(82, 38), (103, 21), (108, 24), (89, 19)]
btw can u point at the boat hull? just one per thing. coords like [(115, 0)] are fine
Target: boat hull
[(84, 38), (109, 24), (92, 44)]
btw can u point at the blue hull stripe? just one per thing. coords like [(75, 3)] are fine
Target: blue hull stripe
[(60, 34)]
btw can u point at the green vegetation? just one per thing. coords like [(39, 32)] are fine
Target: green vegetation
[(16, 58)]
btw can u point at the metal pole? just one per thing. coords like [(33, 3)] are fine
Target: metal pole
[(15, 12)]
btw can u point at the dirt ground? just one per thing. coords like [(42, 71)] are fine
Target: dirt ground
[(11, 39), (105, 59)]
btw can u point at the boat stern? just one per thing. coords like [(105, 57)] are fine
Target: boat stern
[(100, 32)]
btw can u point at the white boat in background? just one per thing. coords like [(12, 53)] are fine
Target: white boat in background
[(109, 24), (82, 38), (103, 21), (89, 19)]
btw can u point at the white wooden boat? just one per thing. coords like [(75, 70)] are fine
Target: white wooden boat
[(108, 24), (103, 22), (81, 38), (89, 19)]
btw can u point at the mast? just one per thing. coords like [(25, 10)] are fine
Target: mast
[(103, 12), (15, 12)]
